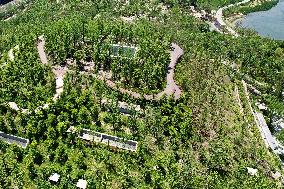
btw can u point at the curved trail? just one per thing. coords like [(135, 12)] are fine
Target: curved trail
[(41, 51), (171, 89), (58, 71)]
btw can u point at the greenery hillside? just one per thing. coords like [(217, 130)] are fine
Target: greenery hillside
[(205, 139)]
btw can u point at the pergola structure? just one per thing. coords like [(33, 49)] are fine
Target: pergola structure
[(109, 140), (123, 107), (11, 139), (118, 50)]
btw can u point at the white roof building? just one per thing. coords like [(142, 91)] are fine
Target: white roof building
[(54, 177), (82, 184), (261, 106), (252, 171), (110, 140), (14, 106), (276, 175)]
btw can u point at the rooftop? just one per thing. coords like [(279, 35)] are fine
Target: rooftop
[(11, 139), (106, 139), (54, 177), (118, 50), (82, 184)]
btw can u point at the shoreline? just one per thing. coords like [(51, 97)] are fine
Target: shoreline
[(235, 19)]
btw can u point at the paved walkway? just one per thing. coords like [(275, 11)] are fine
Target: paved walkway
[(41, 50), (268, 138), (171, 89)]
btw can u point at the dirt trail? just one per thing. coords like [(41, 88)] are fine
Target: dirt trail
[(41, 52)]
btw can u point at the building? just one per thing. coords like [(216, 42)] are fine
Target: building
[(11, 139), (123, 107), (54, 177), (124, 51), (109, 140), (82, 184)]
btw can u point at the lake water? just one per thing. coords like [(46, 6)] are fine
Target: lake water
[(267, 23), (2, 2)]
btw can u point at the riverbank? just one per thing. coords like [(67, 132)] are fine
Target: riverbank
[(6, 3), (235, 15), (235, 20), (11, 8)]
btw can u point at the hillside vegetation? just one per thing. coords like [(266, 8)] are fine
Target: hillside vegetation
[(201, 140)]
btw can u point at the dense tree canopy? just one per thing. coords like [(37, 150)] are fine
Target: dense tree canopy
[(201, 140)]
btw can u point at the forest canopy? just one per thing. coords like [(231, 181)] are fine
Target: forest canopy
[(205, 137)]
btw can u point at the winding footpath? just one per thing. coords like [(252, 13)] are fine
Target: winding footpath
[(58, 71), (41, 51), (171, 89)]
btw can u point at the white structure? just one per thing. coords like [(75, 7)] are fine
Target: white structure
[(128, 19), (112, 141), (11, 52), (11, 55), (276, 175), (54, 177), (261, 106), (124, 107), (252, 171), (11, 139), (13, 106), (82, 184), (277, 123)]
